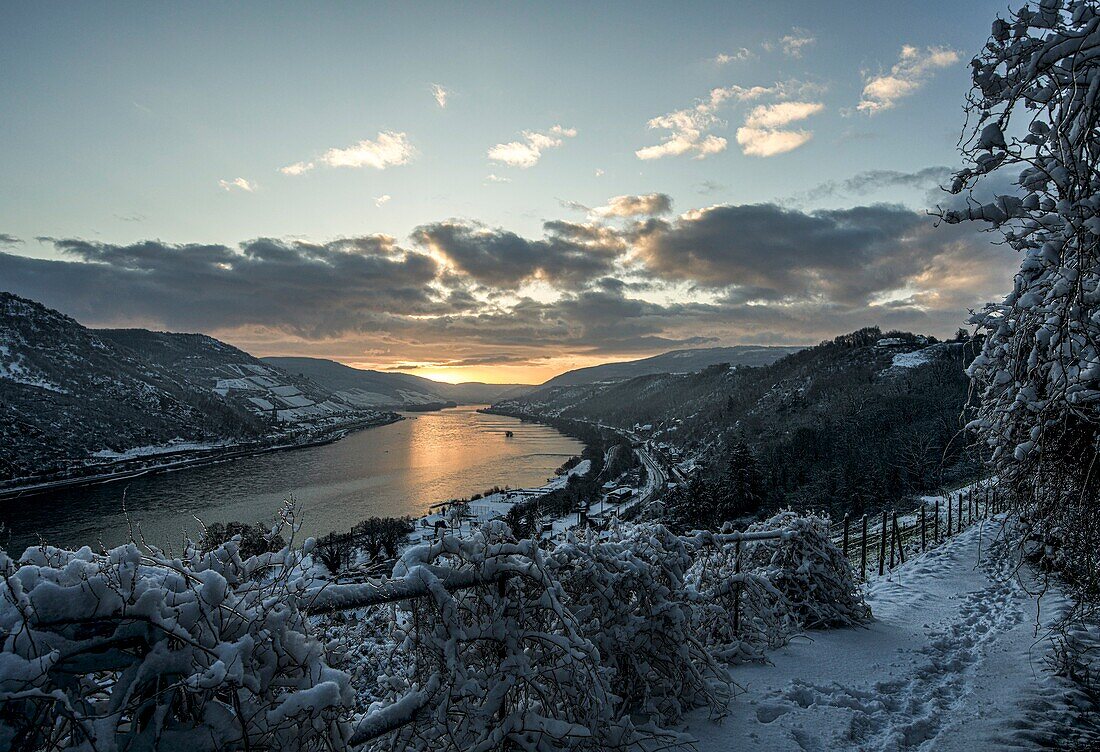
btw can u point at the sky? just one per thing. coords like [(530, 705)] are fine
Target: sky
[(490, 191)]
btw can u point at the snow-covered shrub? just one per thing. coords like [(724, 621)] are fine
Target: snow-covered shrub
[(628, 597), (809, 570), (494, 670), (739, 614), (132, 650), (361, 643)]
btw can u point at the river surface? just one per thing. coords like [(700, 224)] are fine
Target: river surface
[(394, 470)]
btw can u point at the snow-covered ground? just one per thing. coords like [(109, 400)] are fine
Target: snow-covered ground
[(499, 504), (954, 660)]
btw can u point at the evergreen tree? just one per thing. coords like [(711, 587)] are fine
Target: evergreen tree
[(690, 506), (740, 491)]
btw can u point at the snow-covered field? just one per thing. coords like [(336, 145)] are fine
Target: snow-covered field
[(955, 659)]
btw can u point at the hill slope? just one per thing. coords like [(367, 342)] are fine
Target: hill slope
[(674, 361), (73, 398), (377, 388), (847, 425)]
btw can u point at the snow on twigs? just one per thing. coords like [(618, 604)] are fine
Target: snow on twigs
[(509, 660), (593, 641), (132, 650), (811, 572), (628, 594)]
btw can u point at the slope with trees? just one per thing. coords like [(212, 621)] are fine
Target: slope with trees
[(852, 424)]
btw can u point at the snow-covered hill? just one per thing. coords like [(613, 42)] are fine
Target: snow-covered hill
[(674, 361), (73, 399)]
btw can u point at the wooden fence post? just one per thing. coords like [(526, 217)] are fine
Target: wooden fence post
[(502, 711), (901, 544), (959, 521), (893, 535), (882, 547), (936, 524), (949, 506), (737, 589), (863, 551), (923, 540)]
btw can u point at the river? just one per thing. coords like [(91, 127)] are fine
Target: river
[(393, 470)]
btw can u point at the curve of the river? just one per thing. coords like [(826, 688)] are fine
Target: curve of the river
[(398, 469)]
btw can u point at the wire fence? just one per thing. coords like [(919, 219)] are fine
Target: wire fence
[(880, 543)]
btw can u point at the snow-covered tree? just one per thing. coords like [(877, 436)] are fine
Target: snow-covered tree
[(1034, 115), (811, 572)]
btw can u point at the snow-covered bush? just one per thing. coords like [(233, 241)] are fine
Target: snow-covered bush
[(811, 571), (739, 614), (628, 597), (133, 650), (361, 643), (498, 670), (1033, 114)]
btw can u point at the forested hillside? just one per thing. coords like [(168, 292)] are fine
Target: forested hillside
[(851, 424), (73, 399), (674, 361)]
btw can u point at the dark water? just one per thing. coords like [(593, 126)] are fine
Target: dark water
[(399, 469)]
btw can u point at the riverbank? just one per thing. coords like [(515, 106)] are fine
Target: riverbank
[(129, 466), (399, 470)]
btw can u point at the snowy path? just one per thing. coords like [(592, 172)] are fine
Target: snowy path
[(951, 662)]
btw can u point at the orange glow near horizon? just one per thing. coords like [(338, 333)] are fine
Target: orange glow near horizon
[(506, 373)]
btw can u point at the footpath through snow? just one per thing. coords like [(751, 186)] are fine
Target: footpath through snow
[(955, 659)]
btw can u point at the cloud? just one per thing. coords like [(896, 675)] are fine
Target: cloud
[(306, 289), (388, 150), (298, 168), (842, 256), (9, 241), (237, 184), (763, 142), (494, 178), (599, 172), (781, 113), (569, 255), (526, 153), (636, 281), (741, 53), (440, 94), (688, 127), (650, 204), (913, 69), (868, 181), (762, 135), (793, 44), (382, 200)]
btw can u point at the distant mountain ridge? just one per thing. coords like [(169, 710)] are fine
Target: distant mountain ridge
[(387, 389), (674, 361)]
